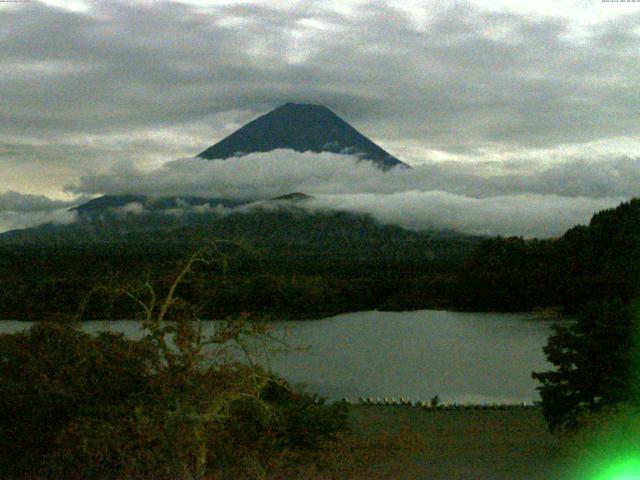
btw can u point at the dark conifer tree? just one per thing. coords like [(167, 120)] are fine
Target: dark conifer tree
[(596, 360)]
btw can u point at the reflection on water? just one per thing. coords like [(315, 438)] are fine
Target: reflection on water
[(461, 357)]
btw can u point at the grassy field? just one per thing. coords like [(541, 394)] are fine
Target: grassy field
[(413, 443)]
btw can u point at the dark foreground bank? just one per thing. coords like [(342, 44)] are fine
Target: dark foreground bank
[(414, 443)]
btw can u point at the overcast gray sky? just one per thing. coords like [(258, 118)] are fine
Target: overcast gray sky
[(492, 98)]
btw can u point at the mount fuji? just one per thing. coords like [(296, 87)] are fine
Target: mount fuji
[(303, 128)]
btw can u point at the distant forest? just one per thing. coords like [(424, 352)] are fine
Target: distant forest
[(309, 266)]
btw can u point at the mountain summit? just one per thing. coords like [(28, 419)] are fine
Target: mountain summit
[(303, 128)]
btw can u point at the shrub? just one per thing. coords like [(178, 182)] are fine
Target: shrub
[(81, 406), (92, 407), (54, 373)]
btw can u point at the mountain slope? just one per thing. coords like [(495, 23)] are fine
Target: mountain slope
[(105, 203), (279, 222), (303, 128)]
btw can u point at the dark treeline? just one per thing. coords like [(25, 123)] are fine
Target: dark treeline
[(306, 266), (587, 264), (295, 266), (54, 279)]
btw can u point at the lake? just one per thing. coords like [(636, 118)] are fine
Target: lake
[(461, 357)]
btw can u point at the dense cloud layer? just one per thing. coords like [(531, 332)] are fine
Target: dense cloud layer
[(409, 198), (426, 197), (527, 215), (265, 175), (22, 210), (502, 109), (16, 220), (460, 77), (433, 196), (19, 202), (151, 81)]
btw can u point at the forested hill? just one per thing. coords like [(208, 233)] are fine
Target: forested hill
[(306, 266), (299, 265), (588, 263), (276, 225)]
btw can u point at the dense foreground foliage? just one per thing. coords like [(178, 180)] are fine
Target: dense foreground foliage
[(176, 404), (79, 406)]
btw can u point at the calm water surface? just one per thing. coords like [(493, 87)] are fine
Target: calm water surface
[(461, 357)]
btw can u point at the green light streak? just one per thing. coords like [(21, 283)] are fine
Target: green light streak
[(609, 447), (622, 469)]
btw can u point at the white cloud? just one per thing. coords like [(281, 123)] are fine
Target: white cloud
[(265, 175), (436, 196), (12, 220), (529, 215), (254, 176), (18, 210), (24, 202), (135, 208), (495, 99), (428, 79)]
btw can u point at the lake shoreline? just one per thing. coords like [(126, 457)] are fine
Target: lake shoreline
[(416, 355), (542, 314)]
